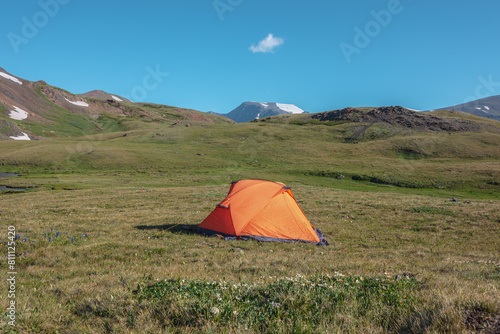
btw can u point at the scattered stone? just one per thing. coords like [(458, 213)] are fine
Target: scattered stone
[(403, 276), (340, 177), (454, 200)]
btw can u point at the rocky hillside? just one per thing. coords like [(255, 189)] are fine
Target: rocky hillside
[(35, 110), (364, 124), (399, 117)]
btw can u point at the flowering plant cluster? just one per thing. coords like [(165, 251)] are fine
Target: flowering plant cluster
[(274, 299), (54, 236)]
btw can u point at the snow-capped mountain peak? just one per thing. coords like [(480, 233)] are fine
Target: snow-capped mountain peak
[(290, 108), (248, 111)]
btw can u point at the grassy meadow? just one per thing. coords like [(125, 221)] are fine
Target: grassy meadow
[(101, 247)]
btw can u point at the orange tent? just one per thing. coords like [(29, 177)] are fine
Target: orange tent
[(262, 210)]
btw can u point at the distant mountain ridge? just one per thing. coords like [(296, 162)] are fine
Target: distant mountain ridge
[(249, 111), (488, 107), (35, 110)]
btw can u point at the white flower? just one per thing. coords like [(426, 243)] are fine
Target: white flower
[(235, 312), (214, 310)]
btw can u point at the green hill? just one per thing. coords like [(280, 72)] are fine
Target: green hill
[(382, 153), (104, 241), (51, 112)]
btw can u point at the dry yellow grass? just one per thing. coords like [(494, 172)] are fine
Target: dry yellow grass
[(452, 247)]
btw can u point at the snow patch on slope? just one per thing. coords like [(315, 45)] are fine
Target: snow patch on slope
[(116, 98), (10, 77), (290, 108), (78, 103), (23, 137), (18, 114), (486, 109)]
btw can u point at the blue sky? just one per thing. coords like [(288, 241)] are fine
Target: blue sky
[(321, 55)]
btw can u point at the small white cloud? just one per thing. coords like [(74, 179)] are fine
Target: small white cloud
[(268, 44)]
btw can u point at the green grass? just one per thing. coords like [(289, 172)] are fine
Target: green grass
[(130, 264), (428, 264), (456, 162), (110, 123), (56, 121), (316, 122), (433, 210), (464, 116), (280, 304)]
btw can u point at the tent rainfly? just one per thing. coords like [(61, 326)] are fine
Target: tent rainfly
[(262, 210)]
